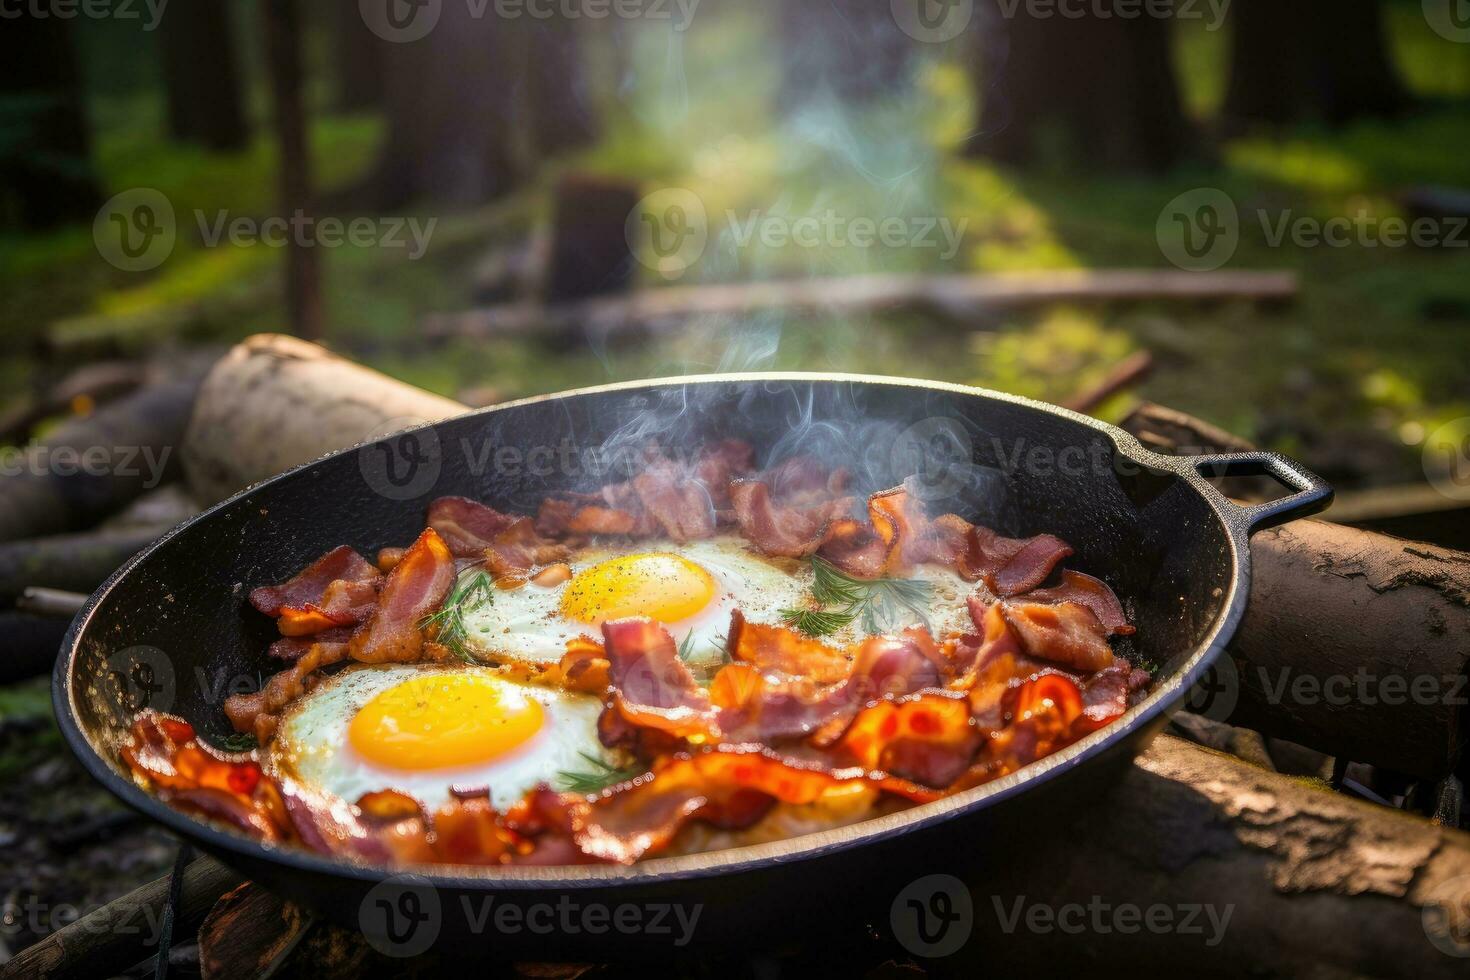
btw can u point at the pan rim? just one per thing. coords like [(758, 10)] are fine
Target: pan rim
[(730, 861)]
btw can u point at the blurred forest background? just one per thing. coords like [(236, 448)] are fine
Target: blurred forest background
[(1054, 143), (1059, 141)]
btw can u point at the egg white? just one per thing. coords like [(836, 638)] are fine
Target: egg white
[(525, 627), (311, 743)]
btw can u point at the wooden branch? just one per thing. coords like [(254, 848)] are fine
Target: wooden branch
[(123, 933), (1125, 374), (275, 402), (958, 297), (1354, 642), (90, 467), (1283, 877)]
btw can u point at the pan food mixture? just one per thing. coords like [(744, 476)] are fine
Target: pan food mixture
[(703, 656)]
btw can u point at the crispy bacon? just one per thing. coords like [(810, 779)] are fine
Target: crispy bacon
[(259, 711), (776, 649), (1090, 592), (929, 738), (310, 585), (293, 648), (343, 603), (416, 588), (652, 687), (1066, 633), (467, 527), (787, 510)]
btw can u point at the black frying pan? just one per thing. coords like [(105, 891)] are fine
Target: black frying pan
[(172, 630)]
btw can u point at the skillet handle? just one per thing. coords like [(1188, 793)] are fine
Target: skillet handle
[(1312, 493)]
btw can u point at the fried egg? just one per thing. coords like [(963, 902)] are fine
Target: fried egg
[(691, 589), (424, 729)]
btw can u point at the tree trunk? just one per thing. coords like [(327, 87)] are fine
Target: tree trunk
[(358, 59), (449, 114), (283, 35), (205, 104), (850, 49), (557, 95), (1310, 60), (46, 175), (1093, 91)]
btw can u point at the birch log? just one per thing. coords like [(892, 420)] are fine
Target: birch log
[(275, 402)]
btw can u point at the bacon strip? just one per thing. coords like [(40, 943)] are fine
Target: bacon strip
[(787, 510), (1066, 633), (652, 688), (1090, 592), (310, 585), (415, 589), (467, 526), (777, 649)]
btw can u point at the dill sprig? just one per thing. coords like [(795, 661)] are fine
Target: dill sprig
[(704, 663), (237, 742), (597, 777), (876, 604), (469, 594)]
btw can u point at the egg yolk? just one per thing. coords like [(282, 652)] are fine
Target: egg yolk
[(664, 587), (441, 720)]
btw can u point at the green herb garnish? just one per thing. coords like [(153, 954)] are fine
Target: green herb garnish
[(237, 742), (704, 663), (598, 777), (469, 595), (875, 603)]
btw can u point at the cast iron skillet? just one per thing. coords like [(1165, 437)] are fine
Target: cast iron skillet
[(172, 630)]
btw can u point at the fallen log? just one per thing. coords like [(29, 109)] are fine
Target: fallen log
[(275, 402), (29, 643), (956, 297), (123, 933), (75, 562), (1354, 642), (1258, 874), (90, 467), (1305, 617)]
